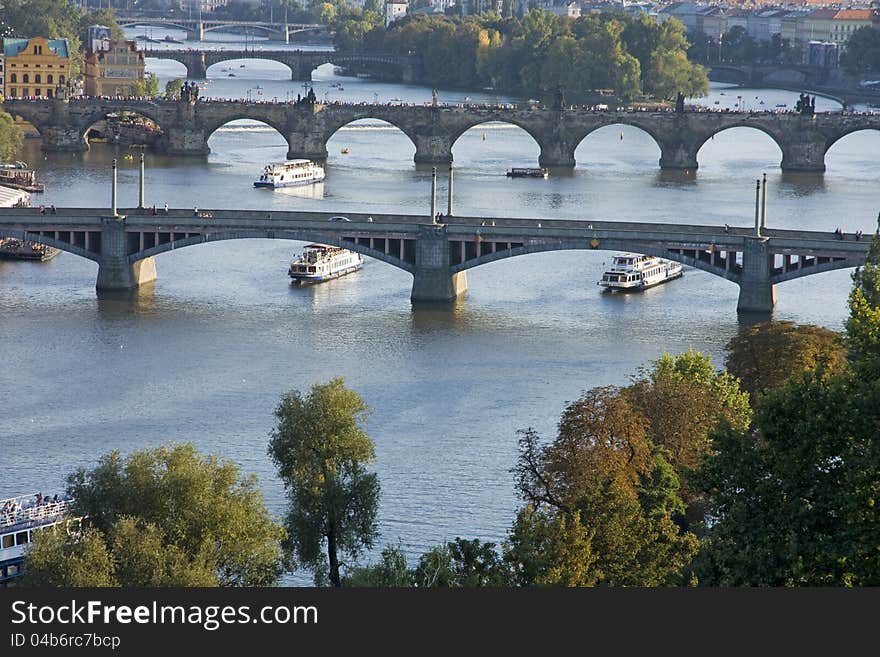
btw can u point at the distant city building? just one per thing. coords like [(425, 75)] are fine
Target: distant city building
[(113, 71), (821, 53), (566, 9), (2, 67), (394, 10), (99, 37), (35, 66)]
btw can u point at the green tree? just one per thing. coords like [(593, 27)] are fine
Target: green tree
[(862, 52), (683, 398), (10, 137), (765, 355), (603, 466), (173, 87), (461, 563), (58, 558), (793, 501), (170, 516), (390, 572), (321, 452), (863, 324), (149, 86)]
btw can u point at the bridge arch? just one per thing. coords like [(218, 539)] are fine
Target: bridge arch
[(843, 134), (211, 127), (605, 245), (618, 137), (457, 131), (215, 60), (49, 241), (333, 128), (703, 139), (88, 121), (146, 22), (849, 263), (295, 235)]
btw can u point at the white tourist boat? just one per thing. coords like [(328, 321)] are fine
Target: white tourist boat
[(320, 262), (289, 174), (20, 518), (633, 271)]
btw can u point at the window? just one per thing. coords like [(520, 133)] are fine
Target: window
[(48, 93), (14, 92), (8, 541), (35, 50), (21, 538), (60, 79), (25, 78), (13, 78), (25, 92), (49, 79), (38, 78)]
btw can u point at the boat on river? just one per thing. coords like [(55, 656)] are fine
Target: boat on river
[(633, 271), (20, 519), (19, 176), (320, 262), (524, 172), (12, 248), (290, 173)]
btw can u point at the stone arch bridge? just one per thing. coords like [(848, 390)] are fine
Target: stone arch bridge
[(433, 130), (437, 255), (300, 62)]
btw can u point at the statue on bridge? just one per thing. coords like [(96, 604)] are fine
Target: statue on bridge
[(559, 99), (189, 92), (679, 103), (806, 105)]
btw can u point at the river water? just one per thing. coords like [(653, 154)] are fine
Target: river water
[(205, 354)]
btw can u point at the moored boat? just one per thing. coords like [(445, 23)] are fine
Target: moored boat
[(290, 173), (19, 176), (521, 172), (633, 271), (320, 262), (16, 249)]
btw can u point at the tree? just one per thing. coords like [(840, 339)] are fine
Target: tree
[(56, 558), (793, 501), (321, 451), (10, 137), (170, 516), (765, 355), (149, 86), (390, 572), (863, 324), (461, 563), (683, 398), (602, 467), (862, 52), (173, 88)]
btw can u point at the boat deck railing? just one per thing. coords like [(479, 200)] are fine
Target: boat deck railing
[(25, 510)]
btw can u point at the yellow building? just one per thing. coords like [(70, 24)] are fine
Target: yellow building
[(113, 71), (35, 66)]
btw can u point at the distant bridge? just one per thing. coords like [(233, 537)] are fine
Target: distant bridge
[(437, 255), (433, 130), (301, 62), (197, 28)]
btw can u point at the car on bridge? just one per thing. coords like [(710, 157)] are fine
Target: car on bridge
[(338, 218)]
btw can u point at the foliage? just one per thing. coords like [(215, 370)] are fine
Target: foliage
[(149, 86), (793, 501), (603, 467), (191, 516), (10, 137), (56, 558), (390, 572), (765, 355), (683, 398), (461, 563), (863, 325), (173, 88), (862, 52), (536, 53), (320, 450)]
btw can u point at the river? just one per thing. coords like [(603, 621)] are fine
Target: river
[(205, 354)]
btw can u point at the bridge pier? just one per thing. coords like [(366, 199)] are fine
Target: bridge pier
[(804, 156), (184, 140), (196, 66), (432, 279), (556, 153), (115, 272), (432, 149), (756, 293), (678, 155), (63, 138)]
